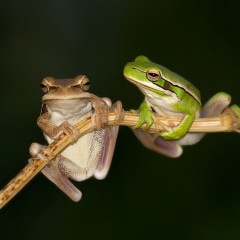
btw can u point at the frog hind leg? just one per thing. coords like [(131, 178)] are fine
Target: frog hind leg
[(216, 104), (105, 159), (158, 144), (52, 172)]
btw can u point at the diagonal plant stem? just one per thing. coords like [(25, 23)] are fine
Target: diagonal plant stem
[(226, 122)]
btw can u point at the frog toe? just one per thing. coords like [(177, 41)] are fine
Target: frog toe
[(133, 111), (149, 123), (235, 108), (172, 135), (139, 124)]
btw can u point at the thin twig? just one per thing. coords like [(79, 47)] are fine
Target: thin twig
[(226, 122)]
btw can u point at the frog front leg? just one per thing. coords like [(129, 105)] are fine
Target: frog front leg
[(100, 114), (182, 128), (145, 116), (53, 131)]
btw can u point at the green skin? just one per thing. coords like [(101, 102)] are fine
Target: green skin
[(168, 94)]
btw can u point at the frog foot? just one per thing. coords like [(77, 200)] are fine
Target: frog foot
[(235, 108), (145, 117), (173, 134), (39, 151), (133, 111)]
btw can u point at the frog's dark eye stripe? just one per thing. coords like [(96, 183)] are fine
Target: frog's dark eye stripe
[(53, 87), (153, 75)]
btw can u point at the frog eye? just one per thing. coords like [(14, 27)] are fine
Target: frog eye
[(85, 84), (153, 75), (47, 88), (48, 84), (44, 88)]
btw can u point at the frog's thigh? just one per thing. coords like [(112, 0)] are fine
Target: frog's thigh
[(216, 104), (158, 144), (52, 172), (72, 170)]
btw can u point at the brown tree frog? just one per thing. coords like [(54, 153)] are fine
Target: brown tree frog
[(66, 102)]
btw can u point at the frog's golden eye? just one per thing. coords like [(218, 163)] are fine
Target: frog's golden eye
[(153, 75), (85, 84)]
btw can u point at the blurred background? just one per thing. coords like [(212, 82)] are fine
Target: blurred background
[(145, 195)]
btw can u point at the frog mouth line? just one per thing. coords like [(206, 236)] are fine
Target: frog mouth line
[(81, 96), (66, 99), (140, 85)]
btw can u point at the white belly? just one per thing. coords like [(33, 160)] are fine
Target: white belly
[(84, 152), (87, 148)]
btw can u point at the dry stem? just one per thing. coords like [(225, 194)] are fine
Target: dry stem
[(226, 122)]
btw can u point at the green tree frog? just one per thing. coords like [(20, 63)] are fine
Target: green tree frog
[(169, 94), (66, 102)]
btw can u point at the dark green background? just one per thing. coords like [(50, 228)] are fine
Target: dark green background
[(145, 196)]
